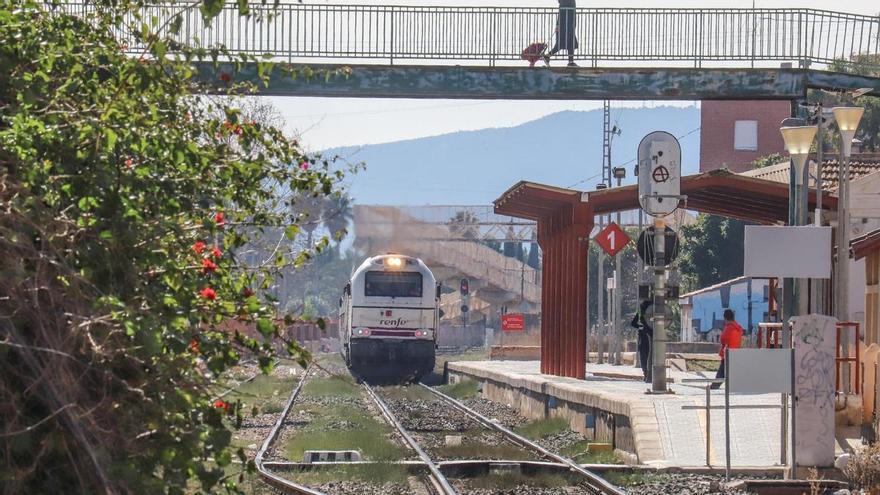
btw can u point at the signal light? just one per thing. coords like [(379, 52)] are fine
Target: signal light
[(463, 288)]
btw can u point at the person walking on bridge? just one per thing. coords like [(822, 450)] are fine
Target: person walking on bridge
[(566, 22), (731, 338)]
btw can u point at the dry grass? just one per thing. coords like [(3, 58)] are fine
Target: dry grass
[(863, 470)]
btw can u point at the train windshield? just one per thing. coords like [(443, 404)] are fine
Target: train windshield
[(393, 284)]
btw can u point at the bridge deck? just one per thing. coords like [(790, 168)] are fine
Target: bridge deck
[(431, 35)]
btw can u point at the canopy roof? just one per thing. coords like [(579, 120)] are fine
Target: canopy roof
[(718, 192), (866, 244)]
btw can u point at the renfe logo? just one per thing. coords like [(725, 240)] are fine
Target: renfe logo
[(393, 323), (385, 319)]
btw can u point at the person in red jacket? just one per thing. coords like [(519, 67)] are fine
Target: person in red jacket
[(731, 338)]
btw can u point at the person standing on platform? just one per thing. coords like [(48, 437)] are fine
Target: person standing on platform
[(566, 22), (731, 338), (645, 337)]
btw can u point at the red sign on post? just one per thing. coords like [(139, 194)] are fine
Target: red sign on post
[(612, 239), (513, 322)]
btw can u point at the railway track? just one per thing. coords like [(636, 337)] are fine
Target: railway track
[(420, 416)]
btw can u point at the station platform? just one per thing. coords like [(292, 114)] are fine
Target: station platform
[(611, 405)]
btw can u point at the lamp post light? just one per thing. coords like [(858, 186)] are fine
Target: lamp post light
[(848, 119), (798, 141)]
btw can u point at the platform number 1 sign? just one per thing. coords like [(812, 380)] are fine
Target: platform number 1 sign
[(612, 239)]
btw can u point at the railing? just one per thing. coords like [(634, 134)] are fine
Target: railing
[(497, 34)]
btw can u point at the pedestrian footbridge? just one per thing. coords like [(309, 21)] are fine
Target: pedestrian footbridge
[(476, 52)]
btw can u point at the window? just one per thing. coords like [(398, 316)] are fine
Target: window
[(393, 284), (745, 135)]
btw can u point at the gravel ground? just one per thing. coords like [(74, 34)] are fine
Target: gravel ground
[(502, 413), (681, 484), (359, 488), (560, 440), (462, 487), (510, 418), (429, 415)]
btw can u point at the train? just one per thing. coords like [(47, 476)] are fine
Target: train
[(388, 319)]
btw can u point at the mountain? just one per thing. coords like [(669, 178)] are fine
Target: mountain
[(475, 167)]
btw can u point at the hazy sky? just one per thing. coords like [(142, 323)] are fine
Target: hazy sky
[(329, 122)]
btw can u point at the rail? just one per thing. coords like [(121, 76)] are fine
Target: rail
[(442, 483), (272, 479), (595, 481), (491, 35)]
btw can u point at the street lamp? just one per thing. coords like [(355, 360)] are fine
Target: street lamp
[(848, 119), (798, 141)]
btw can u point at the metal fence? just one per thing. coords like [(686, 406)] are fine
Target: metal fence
[(389, 34)]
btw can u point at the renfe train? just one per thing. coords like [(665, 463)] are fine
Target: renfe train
[(388, 317)]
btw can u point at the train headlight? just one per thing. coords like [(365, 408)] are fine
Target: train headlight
[(361, 332), (424, 334), (394, 262)]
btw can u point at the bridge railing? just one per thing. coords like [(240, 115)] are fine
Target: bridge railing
[(493, 35)]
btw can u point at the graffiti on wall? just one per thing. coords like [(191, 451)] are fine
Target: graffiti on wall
[(814, 340)]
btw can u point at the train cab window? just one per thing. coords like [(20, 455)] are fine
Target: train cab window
[(393, 284)]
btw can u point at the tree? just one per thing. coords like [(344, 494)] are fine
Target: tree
[(127, 197), (711, 251), (464, 225), (869, 127), (534, 259), (768, 160)]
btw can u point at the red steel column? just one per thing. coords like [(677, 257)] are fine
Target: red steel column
[(564, 237), (544, 243), (555, 306), (565, 303)]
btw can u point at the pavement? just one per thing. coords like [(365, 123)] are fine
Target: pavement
[(665, 433)]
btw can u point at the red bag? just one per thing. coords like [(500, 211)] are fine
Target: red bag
[(533, 52)]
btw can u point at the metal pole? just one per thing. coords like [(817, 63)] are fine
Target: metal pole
[(793, 418), (800, 191), (618, 300), (843, 226), (708, 425), (783, 422), (659, 361), (641, 266), (600, 301), (727, 412), (817, 284)]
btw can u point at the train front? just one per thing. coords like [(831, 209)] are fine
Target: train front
[(394, 316)]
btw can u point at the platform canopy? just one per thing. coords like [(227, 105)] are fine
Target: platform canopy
[(565, 220), (719, 192)]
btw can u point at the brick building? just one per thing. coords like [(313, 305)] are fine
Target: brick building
[(735, 133)]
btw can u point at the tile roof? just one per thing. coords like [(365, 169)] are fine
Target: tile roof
[(866, 244), (861, 165)]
